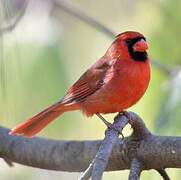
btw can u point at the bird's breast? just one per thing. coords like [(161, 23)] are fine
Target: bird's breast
[(129, 83), (124, 85)]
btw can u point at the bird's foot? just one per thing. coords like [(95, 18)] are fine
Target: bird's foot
[(109, 125), (126, 114)]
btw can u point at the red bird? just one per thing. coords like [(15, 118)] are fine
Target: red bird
[(114, 83)]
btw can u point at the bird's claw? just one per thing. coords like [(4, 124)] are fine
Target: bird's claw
[(109, 125), (116, 129)]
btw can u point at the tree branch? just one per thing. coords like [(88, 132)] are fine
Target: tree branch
[(75, 11), (105, 150), (88, 172), (163, 173), (157, 152), (136, 168)]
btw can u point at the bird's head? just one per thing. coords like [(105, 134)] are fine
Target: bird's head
[(131, 45)]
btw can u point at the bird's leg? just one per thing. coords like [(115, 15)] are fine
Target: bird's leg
[(125, 113), (109, 125)]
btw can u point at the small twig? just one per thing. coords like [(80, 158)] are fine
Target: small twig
[(8, 162), (135, 170), (75, 11), (163, 173), (105, 149), (164, 68), (87, 173)]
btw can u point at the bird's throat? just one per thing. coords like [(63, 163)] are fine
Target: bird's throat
[(139, 56)]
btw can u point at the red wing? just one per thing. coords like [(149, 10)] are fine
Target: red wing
[(89, 83)]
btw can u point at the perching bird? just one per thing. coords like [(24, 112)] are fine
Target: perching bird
[(114, 83)]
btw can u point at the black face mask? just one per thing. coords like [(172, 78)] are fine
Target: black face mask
[(135, 55)]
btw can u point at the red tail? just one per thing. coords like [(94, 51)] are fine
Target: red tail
[(38, 122)]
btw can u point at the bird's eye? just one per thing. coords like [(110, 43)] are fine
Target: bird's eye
[(128, 41)]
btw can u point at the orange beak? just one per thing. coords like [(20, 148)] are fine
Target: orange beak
[(140, 46)]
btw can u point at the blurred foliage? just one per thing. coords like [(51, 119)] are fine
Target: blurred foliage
[(168, 120), (10, 13), (48, 51), (168, 51)]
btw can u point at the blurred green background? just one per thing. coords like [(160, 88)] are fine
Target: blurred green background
[(48, 50)]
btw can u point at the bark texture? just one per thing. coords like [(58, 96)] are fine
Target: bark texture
[(156, 152)]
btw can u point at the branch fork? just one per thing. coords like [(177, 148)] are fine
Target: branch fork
[(140, 132)]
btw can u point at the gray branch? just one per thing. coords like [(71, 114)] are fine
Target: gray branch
[(105, 150), (156, 152), (75, 11), (136, 168), (163, 173), (88, 172)]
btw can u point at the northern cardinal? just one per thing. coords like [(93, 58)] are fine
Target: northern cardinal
[(114, 83)]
